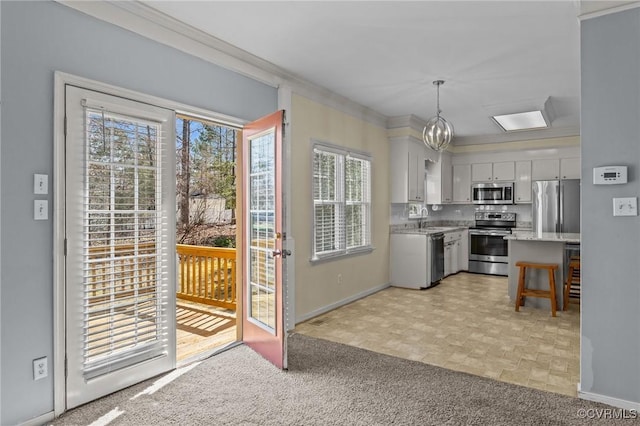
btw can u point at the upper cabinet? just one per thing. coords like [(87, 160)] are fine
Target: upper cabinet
[(490, 172), (504, 171), (563, 168), (416, 172), (439, 180), (523, 181), (545, 169), (482, 172), (407, 156), (570, 168), (462, 183)]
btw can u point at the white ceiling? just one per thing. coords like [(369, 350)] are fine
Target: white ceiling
[(495, 57)]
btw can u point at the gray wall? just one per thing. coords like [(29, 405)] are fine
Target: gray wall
[(37, 39), (610, 353)]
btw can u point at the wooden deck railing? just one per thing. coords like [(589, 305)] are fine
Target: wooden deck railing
[(120, 272), (207, 275)]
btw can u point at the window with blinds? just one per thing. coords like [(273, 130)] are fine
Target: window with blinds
[(122, 241), (341, 202)]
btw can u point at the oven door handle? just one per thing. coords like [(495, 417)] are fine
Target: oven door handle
[(491, 234)]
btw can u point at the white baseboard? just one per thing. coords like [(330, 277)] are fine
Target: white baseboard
[(616, 402), (40, 420), (342, 302)]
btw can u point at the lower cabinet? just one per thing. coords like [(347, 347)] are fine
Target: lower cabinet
[(450, 258), (456, 252), (463, 251)]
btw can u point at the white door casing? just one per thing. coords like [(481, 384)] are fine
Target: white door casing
[(119, 223)]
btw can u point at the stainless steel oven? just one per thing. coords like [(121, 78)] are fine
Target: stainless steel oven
[(492, 193), (488, 250)]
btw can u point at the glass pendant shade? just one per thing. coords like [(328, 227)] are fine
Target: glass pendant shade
[(438, 132)]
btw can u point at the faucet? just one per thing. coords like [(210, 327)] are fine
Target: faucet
[(424, 211)]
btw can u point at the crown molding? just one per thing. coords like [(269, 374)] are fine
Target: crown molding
[(411, 121), (411, 126), (529, 144), (142, 19), (596, 9), (527, 135)]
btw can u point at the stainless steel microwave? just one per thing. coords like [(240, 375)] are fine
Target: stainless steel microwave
[(492, 193)]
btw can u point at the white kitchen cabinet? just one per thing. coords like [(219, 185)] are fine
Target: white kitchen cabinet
[(439, 180), (555, 168), (461, 183), (545, 169), (407, 170), (416, 172), (456, 252), (482, 172), (570, 168), (504, 171), (463, 251), (523, 181), (489, 172), (448, 259), (410, 261), (447, 179)]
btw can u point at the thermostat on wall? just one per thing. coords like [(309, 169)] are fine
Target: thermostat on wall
[(609, 175)]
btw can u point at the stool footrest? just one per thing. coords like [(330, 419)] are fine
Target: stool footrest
[(536, 293)]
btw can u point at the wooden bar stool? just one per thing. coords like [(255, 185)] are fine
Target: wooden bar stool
[(572, 284), (528, 292)]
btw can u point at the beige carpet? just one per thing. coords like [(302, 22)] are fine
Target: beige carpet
[(330, 384)]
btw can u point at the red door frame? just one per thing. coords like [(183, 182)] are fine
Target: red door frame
[(270, 346)]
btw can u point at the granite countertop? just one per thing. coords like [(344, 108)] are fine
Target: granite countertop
[(563, 237), (429, 230)]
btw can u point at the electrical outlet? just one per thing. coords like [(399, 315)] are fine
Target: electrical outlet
[(339, 278), (40, 368)]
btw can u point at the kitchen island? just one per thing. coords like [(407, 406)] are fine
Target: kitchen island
[(544, 247)]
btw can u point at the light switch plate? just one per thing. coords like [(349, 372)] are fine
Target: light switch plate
[(625, 206), (40, 184), (40, 210)]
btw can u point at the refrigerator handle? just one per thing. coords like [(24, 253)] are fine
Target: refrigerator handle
[(560, 225)]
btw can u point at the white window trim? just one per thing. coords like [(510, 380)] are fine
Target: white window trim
[(344, 252)]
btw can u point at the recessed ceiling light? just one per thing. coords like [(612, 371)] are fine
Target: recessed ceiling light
[(536, 115), (530, 120)]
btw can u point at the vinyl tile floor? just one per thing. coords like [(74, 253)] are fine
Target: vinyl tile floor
[(466, 323)]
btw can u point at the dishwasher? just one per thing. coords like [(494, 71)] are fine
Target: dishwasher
[(417, 259), (436, 243)]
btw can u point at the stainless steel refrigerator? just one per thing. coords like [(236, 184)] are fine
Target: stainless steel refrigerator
[(556, 206)]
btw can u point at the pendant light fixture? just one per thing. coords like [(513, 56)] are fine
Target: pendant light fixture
[(438, 132)]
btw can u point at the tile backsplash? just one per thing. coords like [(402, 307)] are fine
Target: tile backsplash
[(460, 213)]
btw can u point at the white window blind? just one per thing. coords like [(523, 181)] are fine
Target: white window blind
[(123, 249), (341, 202)]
